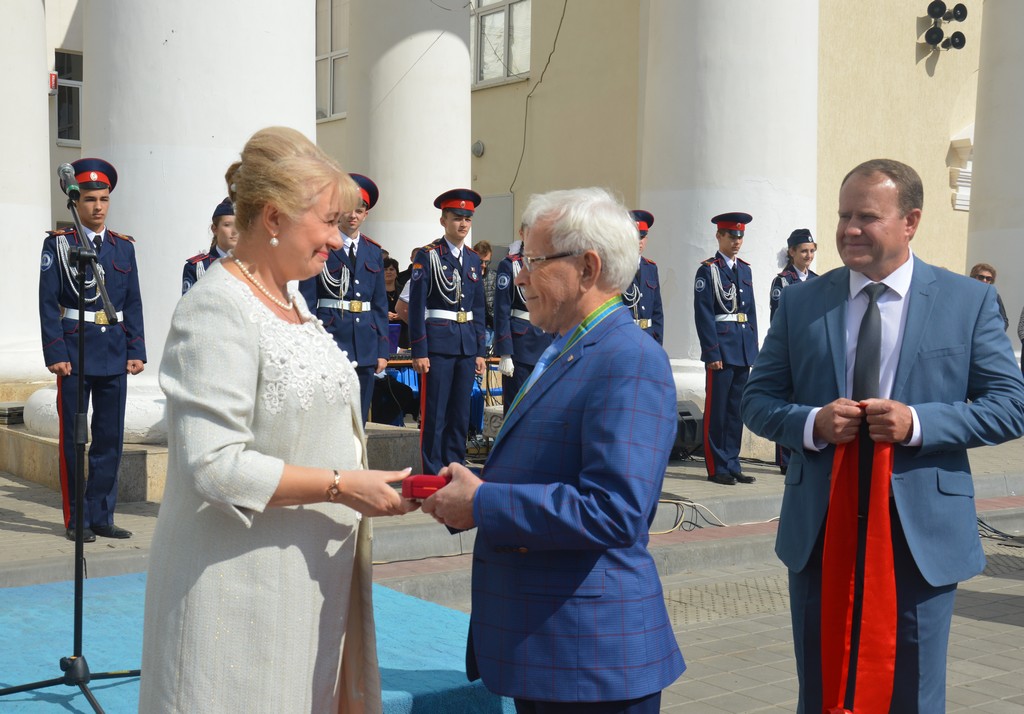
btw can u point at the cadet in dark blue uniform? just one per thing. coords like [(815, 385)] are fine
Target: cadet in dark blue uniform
[(518, 342), (350, 297), (643, 297), (800, 250), (113, 351), (446, 327), (224, 239), (723, 308)]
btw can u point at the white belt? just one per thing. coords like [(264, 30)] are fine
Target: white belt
[(100, 318), (460, 316), (351, 306), (734, 317), (643, 323), (521, 314)]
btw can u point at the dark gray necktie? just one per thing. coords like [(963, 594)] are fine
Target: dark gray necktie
[(866, 365), (352, 254), (97, 240)]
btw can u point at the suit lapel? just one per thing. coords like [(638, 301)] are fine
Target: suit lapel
[(835, 323), (922, 299)]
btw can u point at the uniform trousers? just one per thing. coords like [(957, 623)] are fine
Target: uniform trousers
[(444, 421), (723, 427), (366, 383), (108, 395), (924, 614), (510, 386), (651, 704)]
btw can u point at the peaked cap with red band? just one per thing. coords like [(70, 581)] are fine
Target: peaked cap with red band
[(93, 174), (734, 223), (644, 220), (460, 201), (367, 189)]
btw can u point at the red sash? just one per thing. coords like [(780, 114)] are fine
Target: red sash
[(876, 657)]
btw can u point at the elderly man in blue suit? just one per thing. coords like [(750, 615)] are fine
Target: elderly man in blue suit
[(939, 392), (568, 612)]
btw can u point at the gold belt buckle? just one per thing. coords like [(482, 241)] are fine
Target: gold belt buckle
[(741, 317), (644, 323), (355, 306), (461, 316), (101, 318)]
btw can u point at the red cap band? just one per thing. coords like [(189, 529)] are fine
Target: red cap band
[(642, 225), (460, 203), (90, 176), (730, 226), (365, 194)]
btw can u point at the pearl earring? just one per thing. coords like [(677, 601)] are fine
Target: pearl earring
[(274, 242)]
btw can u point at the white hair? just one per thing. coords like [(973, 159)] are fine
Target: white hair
[(584, 219)]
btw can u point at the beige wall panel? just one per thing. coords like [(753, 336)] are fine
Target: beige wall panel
[(881, 94)]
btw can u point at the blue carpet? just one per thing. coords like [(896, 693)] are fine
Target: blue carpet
[(422, 668)]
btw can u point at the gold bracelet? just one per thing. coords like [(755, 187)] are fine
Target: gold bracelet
[(333, 492)]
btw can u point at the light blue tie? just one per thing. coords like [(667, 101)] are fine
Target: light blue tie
[(546, 358)]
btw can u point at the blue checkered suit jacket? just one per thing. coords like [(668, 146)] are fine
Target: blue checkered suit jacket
[(567, 604)]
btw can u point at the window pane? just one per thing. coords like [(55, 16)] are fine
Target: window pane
[(68, 66), (68, 112), (339, 104), (491, 46), (323, 27), (323, 90), (339, 25), (485, 3), (519, 38)]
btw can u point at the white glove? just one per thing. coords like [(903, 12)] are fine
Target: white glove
[(506, 367)]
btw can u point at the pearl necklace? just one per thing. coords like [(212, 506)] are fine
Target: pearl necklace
[(259, 286)]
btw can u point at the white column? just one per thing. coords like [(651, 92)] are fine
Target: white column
[(175, 89), (728, 97), (409, 112), (24, 185), (997, 191)]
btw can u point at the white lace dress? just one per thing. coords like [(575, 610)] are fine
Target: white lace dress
[(248, 608)]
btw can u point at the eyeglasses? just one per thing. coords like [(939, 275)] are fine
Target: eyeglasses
[(985, 278), (528, 261)]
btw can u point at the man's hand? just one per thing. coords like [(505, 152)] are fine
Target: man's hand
[(61, 369), (453, 504), (382, 364), (837, 422), (715, 366), (888, 421), (481, 365), (135, 366), (421, 364)]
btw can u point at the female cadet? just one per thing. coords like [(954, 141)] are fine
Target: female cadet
[(224, 238)]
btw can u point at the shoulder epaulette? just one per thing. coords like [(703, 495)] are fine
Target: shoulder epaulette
[(370, 240), (470, 249), (742, 261), (64, 232), (122, 236), (709, 262), (642, 257), (198, 258)]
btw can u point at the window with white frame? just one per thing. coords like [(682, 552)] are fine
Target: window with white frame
[(331, 59), (500, 40), (69, 97)]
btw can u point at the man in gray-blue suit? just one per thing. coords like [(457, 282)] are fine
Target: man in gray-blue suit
[(941, 391)]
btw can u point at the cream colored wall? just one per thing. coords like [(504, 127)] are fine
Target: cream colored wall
[(63, 32), (882, 96), (582, 125)]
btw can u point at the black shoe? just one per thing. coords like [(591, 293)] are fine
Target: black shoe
[(740, 478), (111, 531), (87, 535), (724, 479)]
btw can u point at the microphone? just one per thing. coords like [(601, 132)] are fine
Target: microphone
[(68, 184)]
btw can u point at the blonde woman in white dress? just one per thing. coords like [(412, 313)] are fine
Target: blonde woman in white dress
[(258, 596)]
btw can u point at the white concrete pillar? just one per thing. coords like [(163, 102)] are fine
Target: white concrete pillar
[(994, 234), (175, 89), (409, 112), (728, 98), (24, 185)]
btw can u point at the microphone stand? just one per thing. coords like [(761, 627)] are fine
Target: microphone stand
[(75, 669)]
